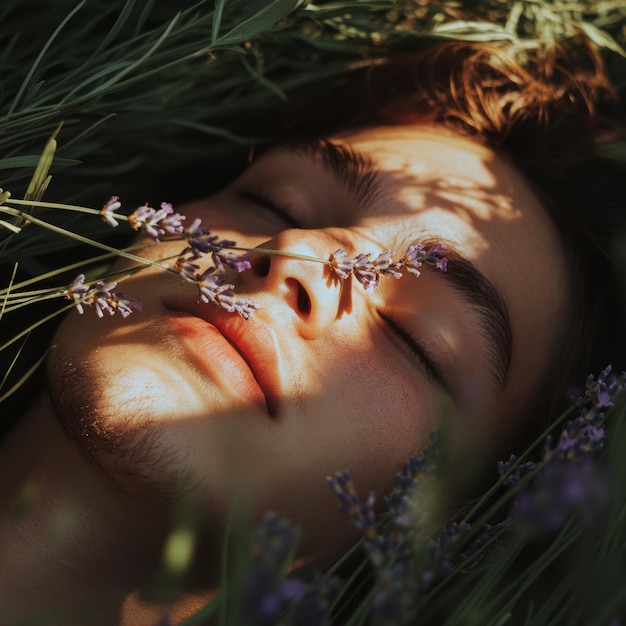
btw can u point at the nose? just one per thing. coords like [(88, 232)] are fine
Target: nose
[(312, 297)]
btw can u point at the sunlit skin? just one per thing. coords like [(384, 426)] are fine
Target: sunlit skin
[(330, 385)]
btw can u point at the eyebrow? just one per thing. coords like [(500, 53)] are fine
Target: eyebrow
[(493, 316), (359, 175), (351, 168)]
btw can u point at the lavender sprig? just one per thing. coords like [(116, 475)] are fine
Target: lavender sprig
[(390, 541), (368, 271), (224, 253)]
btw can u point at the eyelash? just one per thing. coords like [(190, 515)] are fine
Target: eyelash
[(267, 202), (417, 349)]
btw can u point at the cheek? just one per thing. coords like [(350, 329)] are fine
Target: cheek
[(371, 413), (382, 424)]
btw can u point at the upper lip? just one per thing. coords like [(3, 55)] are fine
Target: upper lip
[(252, 339)]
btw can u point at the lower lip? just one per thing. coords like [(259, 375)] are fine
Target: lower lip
[(216, 357)]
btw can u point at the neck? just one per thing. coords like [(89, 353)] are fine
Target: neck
[(70, 543)]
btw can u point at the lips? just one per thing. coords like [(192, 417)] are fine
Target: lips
[(241, 354)]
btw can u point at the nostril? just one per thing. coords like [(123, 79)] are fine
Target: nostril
[(260, 265), (301, 300), (304, 302)]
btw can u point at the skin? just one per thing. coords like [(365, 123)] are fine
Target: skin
[(160, 414)]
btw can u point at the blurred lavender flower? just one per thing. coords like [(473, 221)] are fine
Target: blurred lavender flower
[(107, 211), (313, 609), (443, 555), (266, 593), (361, 513), (269, 593), (440, 558), (601, 391), (101, 297), (390, 543), (557, 491), (512, 474), (568, 477)]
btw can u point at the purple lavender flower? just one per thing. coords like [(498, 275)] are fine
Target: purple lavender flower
[(368, 271), (602, 390), (112, 205), (579, 437), (385, 265), (557, 491), (417, 254), (361, 513), (210, 285), (238, 262), (169, 220), (123, 305), (417, 468), (365, 271), (413, 258), (340, 264), (267, 592), (100, 297), (157, 223), (195, 230), (104, 299), (187, 270), (231, 302), (142, 218), (273, 539), (77, 292), (213, 288), (201, 241)]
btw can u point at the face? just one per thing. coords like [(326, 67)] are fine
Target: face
[(185, 397)]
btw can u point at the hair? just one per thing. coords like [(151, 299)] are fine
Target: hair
[(549, 112)]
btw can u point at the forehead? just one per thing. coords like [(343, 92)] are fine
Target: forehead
[(430, 173)]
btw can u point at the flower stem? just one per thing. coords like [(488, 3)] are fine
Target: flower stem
[(293, 255)]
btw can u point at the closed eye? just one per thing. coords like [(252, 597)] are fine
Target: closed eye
[(266, 201), (415, 350)]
